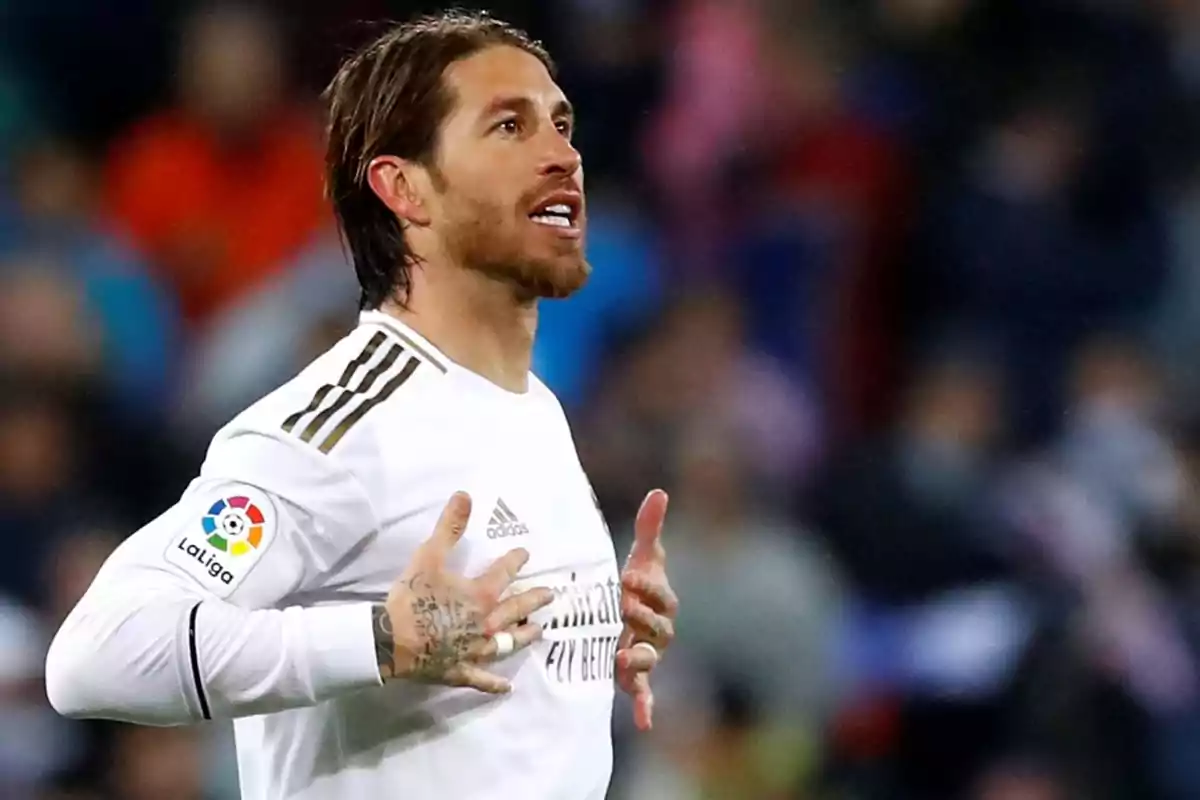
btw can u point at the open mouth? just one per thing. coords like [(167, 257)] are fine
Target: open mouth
[(560, 211), (558, 215)]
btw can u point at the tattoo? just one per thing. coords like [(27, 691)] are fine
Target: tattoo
[(447, 628), (385, 641)]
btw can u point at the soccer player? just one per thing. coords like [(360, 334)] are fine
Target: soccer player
[(391, 571)]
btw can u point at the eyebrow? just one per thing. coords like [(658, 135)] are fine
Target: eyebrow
[(562, 108)]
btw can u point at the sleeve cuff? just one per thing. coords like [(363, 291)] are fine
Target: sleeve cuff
[(341, 649)]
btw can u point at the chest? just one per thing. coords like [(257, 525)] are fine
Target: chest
[(527, 487)]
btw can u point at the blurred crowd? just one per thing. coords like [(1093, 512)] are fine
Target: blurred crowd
[(900, 299)]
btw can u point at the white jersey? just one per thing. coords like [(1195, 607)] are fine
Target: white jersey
[(251, 598)]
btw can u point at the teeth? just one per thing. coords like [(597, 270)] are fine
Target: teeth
[(560, 208), (550, 219)]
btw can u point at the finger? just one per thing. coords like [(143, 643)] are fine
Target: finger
[(523, 636), (647, 530), (474, 677), (639, 658), (517, 608), (655, 593), (625, 640), (643, 703), (502, 572), (449, 529), (657, 629)]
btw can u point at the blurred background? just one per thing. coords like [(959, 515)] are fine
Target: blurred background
[(899, 298)]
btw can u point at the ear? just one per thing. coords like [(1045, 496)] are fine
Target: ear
[(393, 181)]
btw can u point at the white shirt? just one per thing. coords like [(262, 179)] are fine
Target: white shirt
[(251, 598)]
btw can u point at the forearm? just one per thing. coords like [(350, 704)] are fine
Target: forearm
[(168, 658)]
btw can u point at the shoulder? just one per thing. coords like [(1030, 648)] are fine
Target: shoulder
[(550, 406), (326, 414), (545, 395)]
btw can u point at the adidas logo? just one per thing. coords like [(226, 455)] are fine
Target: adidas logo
[(504, 523)]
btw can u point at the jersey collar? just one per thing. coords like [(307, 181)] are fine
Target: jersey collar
[(411, 339)]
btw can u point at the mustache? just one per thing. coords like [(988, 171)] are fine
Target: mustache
[(550, 185)]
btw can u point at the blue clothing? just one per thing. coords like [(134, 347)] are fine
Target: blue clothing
[(137, 316), (625, 287)]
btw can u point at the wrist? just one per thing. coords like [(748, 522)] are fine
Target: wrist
[(393, 658), (383, 633)]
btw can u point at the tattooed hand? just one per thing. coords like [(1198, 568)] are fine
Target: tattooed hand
[(437, 627)]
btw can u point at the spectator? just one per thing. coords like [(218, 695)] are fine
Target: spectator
[(826, 221), (695, 364), (264, 337), (724, 534), (1017, 252), (31, 735), (1111, 492), (908, 514), (736, 722), (940, 625), (66, 449), (52, 229), (39, 483), (715, 105), (223, 190), (44, 327)]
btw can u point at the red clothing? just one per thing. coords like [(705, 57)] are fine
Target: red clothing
[(217, 220), (857, 175)]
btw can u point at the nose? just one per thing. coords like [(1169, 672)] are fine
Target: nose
[(561, 157)]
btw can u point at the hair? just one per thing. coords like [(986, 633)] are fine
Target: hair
[(391, 98)]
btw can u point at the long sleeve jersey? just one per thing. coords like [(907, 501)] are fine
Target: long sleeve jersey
[(251, 598)]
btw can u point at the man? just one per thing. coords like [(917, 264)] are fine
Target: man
[(269, 593)]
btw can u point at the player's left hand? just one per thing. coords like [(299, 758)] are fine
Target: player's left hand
[(648, 607)]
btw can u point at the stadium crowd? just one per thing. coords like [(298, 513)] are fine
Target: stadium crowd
[(900, 299)]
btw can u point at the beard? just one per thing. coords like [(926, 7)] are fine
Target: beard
[(534, 278), (484, 238)]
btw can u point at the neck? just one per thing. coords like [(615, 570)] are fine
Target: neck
[(481, 324)]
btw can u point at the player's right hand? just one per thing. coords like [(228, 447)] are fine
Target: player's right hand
[(436, 626)]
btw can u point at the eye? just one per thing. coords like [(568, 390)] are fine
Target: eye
[(565, 127), (510, 126)]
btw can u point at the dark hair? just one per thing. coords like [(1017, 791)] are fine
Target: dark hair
[(390, 98)]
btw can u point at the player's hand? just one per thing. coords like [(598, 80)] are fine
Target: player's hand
[(648, 607), (437, 627)]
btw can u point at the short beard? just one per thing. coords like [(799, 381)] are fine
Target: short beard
[(534, 281), (474, 248)]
